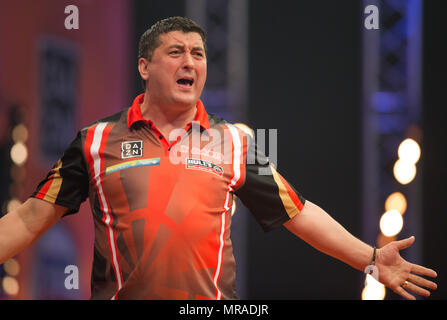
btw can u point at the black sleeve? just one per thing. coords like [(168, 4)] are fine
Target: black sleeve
[(67, 183), (268, 196)]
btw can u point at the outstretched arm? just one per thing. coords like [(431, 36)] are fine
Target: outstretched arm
[(321, 231), (22, 226)]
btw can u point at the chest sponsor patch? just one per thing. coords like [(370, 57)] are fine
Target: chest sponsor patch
[(197, 164), (131, 149)]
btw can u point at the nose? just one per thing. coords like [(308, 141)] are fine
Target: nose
[(188, 62)]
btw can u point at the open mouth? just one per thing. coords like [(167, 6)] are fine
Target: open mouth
[(185, 82)]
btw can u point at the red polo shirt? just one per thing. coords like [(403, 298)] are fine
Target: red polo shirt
[(161, 209)]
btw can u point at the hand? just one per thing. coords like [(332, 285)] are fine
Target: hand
[(400, 275)]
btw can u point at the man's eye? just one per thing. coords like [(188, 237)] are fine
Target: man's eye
[(174, 52)]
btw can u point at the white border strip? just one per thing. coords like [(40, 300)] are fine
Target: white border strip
[(236, 176), (94, 151)]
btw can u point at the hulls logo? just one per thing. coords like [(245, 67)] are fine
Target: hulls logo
[(131, 149), (197, 164)]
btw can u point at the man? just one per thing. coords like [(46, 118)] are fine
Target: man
[(161, 176)]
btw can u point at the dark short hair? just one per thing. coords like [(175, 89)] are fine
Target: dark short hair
[(150, 40)]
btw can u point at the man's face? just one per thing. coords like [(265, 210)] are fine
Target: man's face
[(177, 71)]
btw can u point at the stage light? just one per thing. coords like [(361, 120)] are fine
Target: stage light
[(404, 171), (19, 133), (19, 153), (10, 286), (12, 267), (391, 223), (373, 289), (13, 204), (409, 151), (396, 201)]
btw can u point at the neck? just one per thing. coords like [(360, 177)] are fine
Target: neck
[(167, 117)]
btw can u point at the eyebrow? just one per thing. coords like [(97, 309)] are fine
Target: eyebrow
[(181, 46)]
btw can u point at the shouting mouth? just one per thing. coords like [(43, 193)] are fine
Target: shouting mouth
[(185, 82)]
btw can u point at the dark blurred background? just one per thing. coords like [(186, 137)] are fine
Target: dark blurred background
[(342, 96)]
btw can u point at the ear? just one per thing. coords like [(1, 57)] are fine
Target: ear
[(143, 68)]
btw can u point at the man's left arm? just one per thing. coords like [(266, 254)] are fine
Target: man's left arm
[(321, 231)]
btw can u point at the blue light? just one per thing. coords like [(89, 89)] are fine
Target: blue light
[(388, 102)]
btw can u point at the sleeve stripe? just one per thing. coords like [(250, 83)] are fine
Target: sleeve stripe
[(290, 200), (292, 194), (51, 188)]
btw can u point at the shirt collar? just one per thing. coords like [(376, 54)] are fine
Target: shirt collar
[(134, 113)]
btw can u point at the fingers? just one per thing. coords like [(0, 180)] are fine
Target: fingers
[(415, 284), (423, 271), (416, 289), (400, 291), (421, 282)]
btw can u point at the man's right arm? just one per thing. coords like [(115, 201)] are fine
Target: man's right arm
[(22, 226)]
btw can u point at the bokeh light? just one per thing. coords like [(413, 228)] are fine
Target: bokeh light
[(19, 133), (396, 201), (11, 267), (404, 171), (409, 151), (13, 204), (10, 286), (373, 290), (391, 223), (19, 153)]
